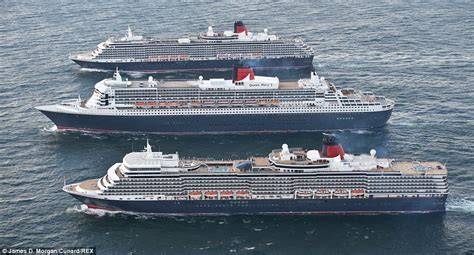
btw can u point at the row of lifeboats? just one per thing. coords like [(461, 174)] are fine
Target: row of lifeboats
[(325, 193), (227, 194), (239, 56), (206, 103), (168, 57)]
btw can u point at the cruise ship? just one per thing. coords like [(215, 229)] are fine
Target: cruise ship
[(287, 181), (209, 51), (246, 103)]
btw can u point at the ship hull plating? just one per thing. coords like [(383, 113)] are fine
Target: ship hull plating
[(201, 65), (232, 123), (273, 206)]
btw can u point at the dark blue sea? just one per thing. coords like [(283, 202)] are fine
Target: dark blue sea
[(420, 54)]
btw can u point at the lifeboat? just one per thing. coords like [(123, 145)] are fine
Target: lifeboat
[(210, 194), (173, 104), (140, 104), (195, 194), (304, 193), (275, 102), (151, 104), (242, 193), (195, 103), (227, 194), (183, 57), (357, 193), (322, 193), (341, 193)]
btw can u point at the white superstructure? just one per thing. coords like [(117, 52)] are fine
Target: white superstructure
[(286, 173), (245, 94)]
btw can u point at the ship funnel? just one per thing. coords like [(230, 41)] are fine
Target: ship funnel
[(331, 148), (241, 73), (239, 27)]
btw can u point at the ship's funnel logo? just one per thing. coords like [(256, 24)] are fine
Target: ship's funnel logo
[(239, 27), (241, 73), (331, 148)]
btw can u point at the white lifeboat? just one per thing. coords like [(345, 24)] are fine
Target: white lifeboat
[(322, 193), (304, 193), (341, 193)]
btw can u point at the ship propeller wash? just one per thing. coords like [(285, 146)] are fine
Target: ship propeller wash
[(246, 103), (288, 180)]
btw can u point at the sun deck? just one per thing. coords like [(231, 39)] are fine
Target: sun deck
[(89, 185), (415, 167)]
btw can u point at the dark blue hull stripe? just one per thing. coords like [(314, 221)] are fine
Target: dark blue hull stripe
[(221, 123), (273, 206), (280, 63)]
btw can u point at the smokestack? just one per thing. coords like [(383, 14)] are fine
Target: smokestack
[(239, 27), (239, 73), (331, 148)]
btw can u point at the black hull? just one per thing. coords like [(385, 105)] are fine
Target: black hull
[(237, 123), (273, 206), (261, 66)]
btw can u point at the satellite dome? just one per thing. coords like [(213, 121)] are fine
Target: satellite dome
[(373, 152), (313, 155)]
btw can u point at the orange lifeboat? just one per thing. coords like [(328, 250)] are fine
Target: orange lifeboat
[(242, 193), (140, 104), (210, 194), (152, 104), (195, 194), (227, 194), (357, 193)]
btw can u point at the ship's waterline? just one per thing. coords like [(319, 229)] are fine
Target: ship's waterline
[(245, 104), (218, 123), (288, 181), (206, 51)]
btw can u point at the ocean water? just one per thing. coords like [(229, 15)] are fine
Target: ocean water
[(419, 54)]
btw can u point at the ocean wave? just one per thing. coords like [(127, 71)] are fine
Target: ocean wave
[(196, 218), (361, 132), (101, 213), (51, 129), (460, 205), (95, 70)]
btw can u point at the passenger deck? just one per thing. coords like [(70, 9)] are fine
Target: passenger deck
[(89, 185), (416, 167)]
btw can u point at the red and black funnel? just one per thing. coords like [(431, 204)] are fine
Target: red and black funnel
[(240, 73), (239, 27), (331, 148)]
